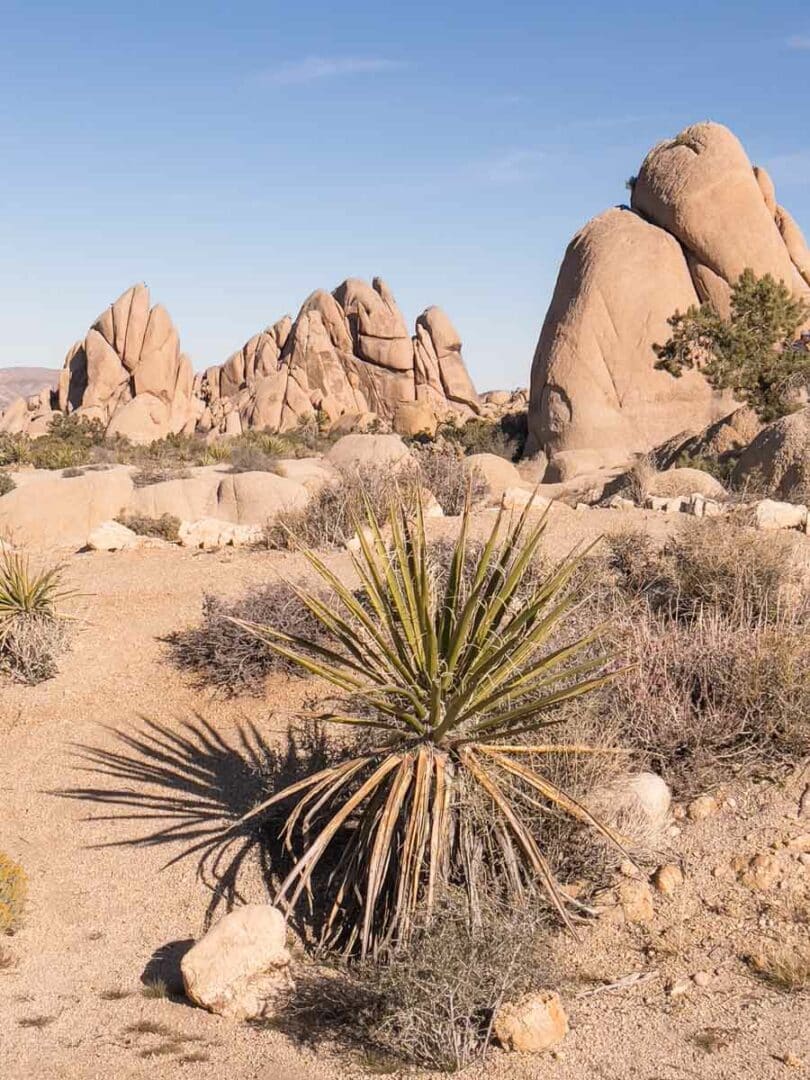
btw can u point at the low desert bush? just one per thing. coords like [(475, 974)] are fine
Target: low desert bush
[(505, 437), (228, 657), (252, 459), (13, 894), (6, 483), (712, 697), (33, 630), (165, 527), (328, 519), (441, 471), (740, 572), (785, 966), (157, 474), (431, 1004)]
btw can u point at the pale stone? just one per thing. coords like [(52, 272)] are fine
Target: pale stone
[(668, 878), (769, 514), (702, 807), (414, 418), (498, 473), (241, 967), (636, 901), (534, 1023), (112, 536), (357, 451)]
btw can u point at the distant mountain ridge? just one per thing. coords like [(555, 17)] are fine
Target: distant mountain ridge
[(23, 382)]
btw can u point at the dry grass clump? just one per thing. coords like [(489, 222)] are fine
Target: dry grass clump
[(6, 483), (328, 519), (158, 474), (441, 470), (714, 629), (713, 696), (745, 574), (432, 1003), (165, 527), (251, 458), (33, 630), (786, 966), (13, 894), (229, 658)]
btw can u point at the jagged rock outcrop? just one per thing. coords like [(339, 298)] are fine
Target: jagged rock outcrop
[(129, 372), (700, 214), (348, 354)]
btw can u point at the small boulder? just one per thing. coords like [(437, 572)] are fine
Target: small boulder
[(498, 473), (686, 481), (702, 807), (668, 878), (241, 967), (413, 418), (636, 901), (534, 1023), (769, 514), (212, 533), (359, 451), (112, 536)]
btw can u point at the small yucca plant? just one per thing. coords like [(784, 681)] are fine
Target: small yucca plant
[(31, 621), (452, 679)]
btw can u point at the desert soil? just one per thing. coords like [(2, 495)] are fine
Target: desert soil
[(106, 911)]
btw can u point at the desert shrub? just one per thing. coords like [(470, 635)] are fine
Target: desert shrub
[(165, 527), (433, 1003), (755, 353), (505, 437), (785, 966), (712, 696), (427, 666), (14, 449), (13, 894), (329, 517), (6, 483), (231, 659), (252, 459), (717, 564), (441, 470), (33, 630), (158, 474)]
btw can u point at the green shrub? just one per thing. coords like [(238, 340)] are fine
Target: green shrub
[(755, 353), (505, 437), (13, 894), (165, 527), (33, 630), (6, 483)]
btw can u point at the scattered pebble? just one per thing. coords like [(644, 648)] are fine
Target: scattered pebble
[(668, 878), (679, 987), (791, 1061), (702, 979), (702, 807)]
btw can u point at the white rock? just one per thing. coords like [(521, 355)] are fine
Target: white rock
[(769, 514), (113, 536), (517, 498), (241, 967), (211, 533)]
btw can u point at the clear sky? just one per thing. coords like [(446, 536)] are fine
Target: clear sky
[(237, 156)]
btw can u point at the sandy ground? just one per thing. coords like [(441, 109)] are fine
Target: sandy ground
[(103, 907)]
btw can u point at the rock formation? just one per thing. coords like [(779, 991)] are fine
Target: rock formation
[(700, 215), (348, 356), (129, 372)]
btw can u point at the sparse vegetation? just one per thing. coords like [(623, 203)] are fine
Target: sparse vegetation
[(505, 437), (784, 966), (441, 471), (6, 483), (13, 894), (756, 353), (230, 658), (33, 629), (426, 666), (165, 527)]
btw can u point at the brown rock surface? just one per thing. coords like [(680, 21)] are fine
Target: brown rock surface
[(594, 382)]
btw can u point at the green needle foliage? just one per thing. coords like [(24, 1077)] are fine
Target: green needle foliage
[(754, 353), (452, 680)]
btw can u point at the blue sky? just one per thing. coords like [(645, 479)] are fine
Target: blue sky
[(236, 157)]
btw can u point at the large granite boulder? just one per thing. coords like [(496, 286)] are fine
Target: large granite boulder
[(594, 382), (778, 459), (701, 214)]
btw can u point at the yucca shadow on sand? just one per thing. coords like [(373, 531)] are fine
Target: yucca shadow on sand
[(188, 786)]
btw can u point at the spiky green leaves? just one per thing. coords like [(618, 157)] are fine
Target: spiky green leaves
[(446, 674)]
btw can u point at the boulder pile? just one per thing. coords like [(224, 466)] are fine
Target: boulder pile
[(348, 356), (700, 214)]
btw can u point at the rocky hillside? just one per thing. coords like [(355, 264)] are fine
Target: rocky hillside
[(23, 381), (700, 214), (347, 356)]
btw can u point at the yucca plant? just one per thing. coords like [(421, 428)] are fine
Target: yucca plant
[(452, 674), (30, 603)]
